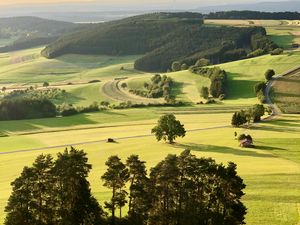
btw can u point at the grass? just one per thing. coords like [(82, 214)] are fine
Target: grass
[(18, 67), (271, 171)]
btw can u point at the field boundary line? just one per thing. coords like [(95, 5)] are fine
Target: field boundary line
[(101, 141)]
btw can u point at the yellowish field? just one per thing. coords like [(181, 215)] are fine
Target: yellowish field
[(270, 171), (286, 93)]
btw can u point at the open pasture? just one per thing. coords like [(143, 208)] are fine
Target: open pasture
[(271, 170), (28, 67), (106, 69)]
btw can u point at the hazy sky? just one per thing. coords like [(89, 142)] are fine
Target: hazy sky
[(107, 2)]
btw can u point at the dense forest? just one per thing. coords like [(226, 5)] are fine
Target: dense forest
[(179, 190), (162, 38), (254, 15)]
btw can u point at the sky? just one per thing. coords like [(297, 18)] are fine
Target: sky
[(109, 2)]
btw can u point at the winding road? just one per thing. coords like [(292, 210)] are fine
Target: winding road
[(113, 87), (275, 109), (113, 91)]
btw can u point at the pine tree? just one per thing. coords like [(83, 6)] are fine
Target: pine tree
[(72, 200), (115, 178), (18, 208), (139, 196)]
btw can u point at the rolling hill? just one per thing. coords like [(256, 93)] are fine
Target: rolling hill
[(30, 31), (163, 38)]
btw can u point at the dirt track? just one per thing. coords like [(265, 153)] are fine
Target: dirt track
[(112, 90)]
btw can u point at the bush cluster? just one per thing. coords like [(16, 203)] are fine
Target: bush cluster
[(252, 114), (70, 110), (259, 90), (217, 77), (129, 104), (32, 93), (160, 86)]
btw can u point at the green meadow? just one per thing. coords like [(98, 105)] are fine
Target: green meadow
[(271, 171)]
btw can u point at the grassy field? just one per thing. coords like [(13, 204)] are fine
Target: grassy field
[(25, 68), (28, 67), (286, 93), (271, 171)]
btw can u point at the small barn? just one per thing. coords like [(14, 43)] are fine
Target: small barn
[(246, 143)]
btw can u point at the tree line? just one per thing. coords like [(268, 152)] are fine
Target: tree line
[(254, 15), (252, 114), (179, 190)]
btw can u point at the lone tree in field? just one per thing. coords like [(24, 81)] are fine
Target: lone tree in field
[(269, 74), (45, 84), (168, 129), (3, 89), (204, 92)]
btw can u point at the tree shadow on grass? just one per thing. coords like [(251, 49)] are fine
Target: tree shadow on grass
[(113, 113), (177, 89), (223, 150), (237, 89), (282, 128), (268, 148), (80, 119)]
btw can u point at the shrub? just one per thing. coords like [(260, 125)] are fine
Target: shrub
[(184, 66), (269, 74), (222, 97), (202, 62), (260, 87), (257, 52), (277, 51), (176, 66), (94, 81), (69, 112)]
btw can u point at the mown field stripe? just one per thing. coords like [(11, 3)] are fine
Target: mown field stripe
[(101, 141)]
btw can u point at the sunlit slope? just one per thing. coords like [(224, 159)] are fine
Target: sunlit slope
[(244, 74), (28, 66)]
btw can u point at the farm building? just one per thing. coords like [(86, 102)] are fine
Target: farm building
[(246, 143)]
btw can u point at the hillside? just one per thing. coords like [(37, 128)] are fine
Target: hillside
[(163, 38), (31, 31)]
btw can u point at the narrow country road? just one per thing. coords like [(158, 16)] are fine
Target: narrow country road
[(275, 109)]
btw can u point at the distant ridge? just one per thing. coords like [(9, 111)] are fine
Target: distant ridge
[(281, 6)]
